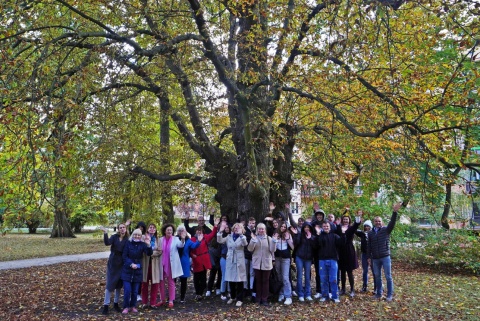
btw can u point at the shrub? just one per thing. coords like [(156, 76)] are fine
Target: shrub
[(439, 248)]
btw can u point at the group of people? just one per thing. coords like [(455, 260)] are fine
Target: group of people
[(242, 255)]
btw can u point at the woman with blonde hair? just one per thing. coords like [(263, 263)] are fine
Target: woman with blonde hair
[(262, 247), (151, 270), (235, 269), (185, 259), (132, 268)]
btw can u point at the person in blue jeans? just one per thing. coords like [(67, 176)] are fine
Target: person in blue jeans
[(283, 257), (379, 251), (304, 243), (328, 244)]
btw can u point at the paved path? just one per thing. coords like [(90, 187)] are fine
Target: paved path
[(20, 264)]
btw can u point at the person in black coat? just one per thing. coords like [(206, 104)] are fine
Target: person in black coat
[(347, 261), (114, 265), (132, 275)]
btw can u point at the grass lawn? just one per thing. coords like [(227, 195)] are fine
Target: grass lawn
[(26, 246)]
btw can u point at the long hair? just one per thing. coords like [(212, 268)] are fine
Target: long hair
[(279, 230), (154, 234)]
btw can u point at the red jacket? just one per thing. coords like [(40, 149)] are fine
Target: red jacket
[(200, 257)]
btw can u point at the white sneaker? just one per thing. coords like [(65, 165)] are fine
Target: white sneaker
[(317, 295), (139, 298), (239, 303), (223, 297), (301, 299), (208, 293), (281, 298), (218, 292), (336, 300), (323, 299), (294, 293), (288, 301), (309, 298), (230, 301)]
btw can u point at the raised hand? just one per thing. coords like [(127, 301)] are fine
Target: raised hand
[(147, 239), (293, 230), (287, 206), (275, 236), (318, 229), (397, 206), (216, 221), (223, 225)]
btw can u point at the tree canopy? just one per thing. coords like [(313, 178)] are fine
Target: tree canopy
[(241, 96)]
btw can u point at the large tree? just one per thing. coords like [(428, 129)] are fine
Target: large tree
[(277, 70)]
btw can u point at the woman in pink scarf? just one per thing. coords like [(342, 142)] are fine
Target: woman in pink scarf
[(170, 265)]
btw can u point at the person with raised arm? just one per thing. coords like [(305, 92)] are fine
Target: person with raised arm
[(263, 248), (201, 259), (347, 261), (170, 263), (235, 269), (184, 254), (379, 251), (114, 265)]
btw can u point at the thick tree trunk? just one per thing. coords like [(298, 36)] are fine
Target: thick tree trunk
[(61, 225)]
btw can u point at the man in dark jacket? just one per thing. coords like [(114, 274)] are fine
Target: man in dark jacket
[(379, 252), (327, 252)]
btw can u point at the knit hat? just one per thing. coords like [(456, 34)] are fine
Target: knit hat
[(368, 223)]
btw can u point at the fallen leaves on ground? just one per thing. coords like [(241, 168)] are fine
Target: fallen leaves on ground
[(74, 291)]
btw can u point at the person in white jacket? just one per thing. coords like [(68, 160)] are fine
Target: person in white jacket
[(170, 264)]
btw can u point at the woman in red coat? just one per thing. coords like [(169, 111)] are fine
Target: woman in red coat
[(201, 259)]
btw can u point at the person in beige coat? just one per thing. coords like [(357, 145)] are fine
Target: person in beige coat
[(262, 247), (170, 265), (235, 269), (151, 270)]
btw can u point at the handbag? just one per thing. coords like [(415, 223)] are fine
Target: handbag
[(275, 282)]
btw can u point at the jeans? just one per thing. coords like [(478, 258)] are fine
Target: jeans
[(328, 276), (386, 263), (223, 265), (108, 295), (250, 275), (365, 270), (282, 265), (303, 265), (130, 292)]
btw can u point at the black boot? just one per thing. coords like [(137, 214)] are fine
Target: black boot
[(116, 307), (105, 310)]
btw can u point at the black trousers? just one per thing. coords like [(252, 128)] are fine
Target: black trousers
[(200, 282)]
